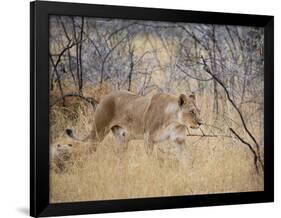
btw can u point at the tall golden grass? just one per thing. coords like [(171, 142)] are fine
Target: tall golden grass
[(209, 164)]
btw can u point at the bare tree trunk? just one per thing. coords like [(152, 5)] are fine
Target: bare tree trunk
[(131, 52), (76, 50), (80, 56), (130, 76), (102, 71), (70, 67), (214, 69), (216, 102), (195, 69), (52, 81)]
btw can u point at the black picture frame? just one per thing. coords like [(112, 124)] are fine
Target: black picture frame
[(39, 110)]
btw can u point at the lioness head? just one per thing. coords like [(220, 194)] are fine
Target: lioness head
[(64, 151), (61, 157), (189, 112)]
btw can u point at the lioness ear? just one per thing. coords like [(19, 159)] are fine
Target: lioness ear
[(182, 100)]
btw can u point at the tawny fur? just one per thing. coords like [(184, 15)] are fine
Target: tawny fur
[(155, 118)]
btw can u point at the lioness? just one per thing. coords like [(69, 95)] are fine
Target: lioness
[(155, 119)]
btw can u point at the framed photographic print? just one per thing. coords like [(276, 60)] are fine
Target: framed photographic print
[(141, 109)]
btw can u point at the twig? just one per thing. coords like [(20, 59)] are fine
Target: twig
[(215, 127), (202, 131), (204, 135), (69, 46)]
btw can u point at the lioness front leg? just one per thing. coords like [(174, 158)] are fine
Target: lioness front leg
[(178, 134), (175, 134), (177, 137)]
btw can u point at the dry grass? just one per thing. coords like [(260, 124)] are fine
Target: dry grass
[(211, 165)]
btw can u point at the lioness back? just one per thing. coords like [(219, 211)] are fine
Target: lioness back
[(121, 108), (162, 110)]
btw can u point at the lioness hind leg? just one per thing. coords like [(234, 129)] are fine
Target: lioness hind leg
[(149, 148), (148, 144), (122, 138)]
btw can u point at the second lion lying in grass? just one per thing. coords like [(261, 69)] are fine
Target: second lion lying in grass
[(64, 155)]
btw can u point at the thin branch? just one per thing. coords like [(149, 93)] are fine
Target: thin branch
[(90, 100), (104, 59), (256, 157), (120, 29), (80, 83), (193, 36), (58, 77), (114, 47), (207, 69), (209, 125), (207, 135), (59, 20), (192, 77), (92, 42), (69, 46)]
